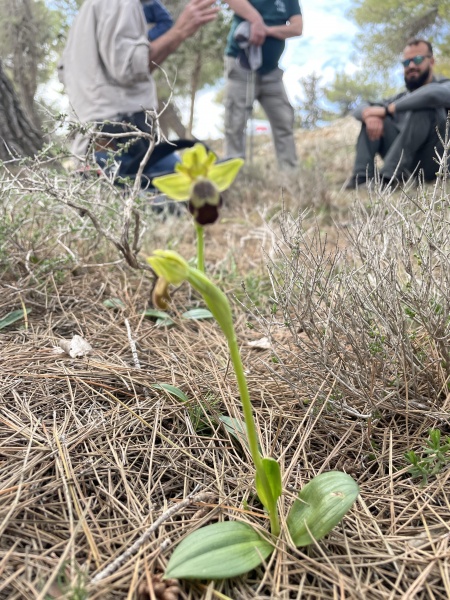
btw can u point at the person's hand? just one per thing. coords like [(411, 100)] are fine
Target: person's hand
[(374, 127), (373, 117), (257, 32), (196, 14)]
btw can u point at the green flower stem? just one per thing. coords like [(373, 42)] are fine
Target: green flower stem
[(200, 231), (174, 269), (251, 430), (218, 304)]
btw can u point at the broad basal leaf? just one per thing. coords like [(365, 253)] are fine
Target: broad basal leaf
[(154, 313), (235, 428), (198, 314), (218, 551), (162, 318), (320, 506), (166, 322), (12, 317)]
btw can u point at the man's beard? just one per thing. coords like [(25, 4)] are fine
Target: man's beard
[(417, 82)]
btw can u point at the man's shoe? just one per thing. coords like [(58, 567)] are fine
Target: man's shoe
[(355, 182)]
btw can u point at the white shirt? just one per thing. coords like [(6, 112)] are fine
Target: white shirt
[(105, 64)]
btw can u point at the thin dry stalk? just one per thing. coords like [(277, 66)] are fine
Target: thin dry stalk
[(134, 548)]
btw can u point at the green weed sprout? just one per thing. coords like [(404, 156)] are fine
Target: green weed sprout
[(200, 180), (435, 456), (229, 549)]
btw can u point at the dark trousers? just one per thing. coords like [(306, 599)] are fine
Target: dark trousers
[(131, 150), (403, 147)]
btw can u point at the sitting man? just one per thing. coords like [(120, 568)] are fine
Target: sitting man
[(403, 129), (106, 69)]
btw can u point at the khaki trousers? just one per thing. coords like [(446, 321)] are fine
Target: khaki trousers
[(269, 91)]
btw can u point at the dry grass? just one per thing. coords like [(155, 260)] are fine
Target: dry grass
[(92, 454)]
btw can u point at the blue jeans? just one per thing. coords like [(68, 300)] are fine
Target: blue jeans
[(136, 149), (161, 167)]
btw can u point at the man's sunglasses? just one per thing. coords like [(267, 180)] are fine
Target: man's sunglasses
[(417, 60)]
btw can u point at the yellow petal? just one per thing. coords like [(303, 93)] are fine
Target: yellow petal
[(211, 159), (176, 185), (169, 265), (195, 156), (225, 173), (196, 162)]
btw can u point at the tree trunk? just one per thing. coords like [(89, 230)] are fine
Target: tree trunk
[(18, 135), (169, 120), (25, 68), (195, 80)]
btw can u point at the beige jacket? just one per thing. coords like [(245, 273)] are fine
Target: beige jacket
[(105, 64)]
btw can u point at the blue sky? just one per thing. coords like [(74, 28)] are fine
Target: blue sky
[(326, 46)]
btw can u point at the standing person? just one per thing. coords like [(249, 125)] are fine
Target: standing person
[(106, 69), (271, 22), (404, 129), (159, 16)]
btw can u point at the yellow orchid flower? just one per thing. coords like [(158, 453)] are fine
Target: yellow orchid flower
[(198, 164), (200, 180)]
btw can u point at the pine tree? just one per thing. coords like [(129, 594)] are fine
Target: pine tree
[(18, 135), (386, 26)]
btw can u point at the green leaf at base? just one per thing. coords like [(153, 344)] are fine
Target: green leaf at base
[(13, 316), (155, 313), (171, 389), (237, 428), (218, 551), (162, 318), (197, 314), (320, 506), (114, 303), (273, 474)]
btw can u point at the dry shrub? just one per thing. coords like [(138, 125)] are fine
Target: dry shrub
[(54, 221), (368, 317)]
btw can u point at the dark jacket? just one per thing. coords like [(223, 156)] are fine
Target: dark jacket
[(157, 14), (435, 94)]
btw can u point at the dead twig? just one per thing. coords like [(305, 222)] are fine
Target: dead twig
[(133, 549)]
